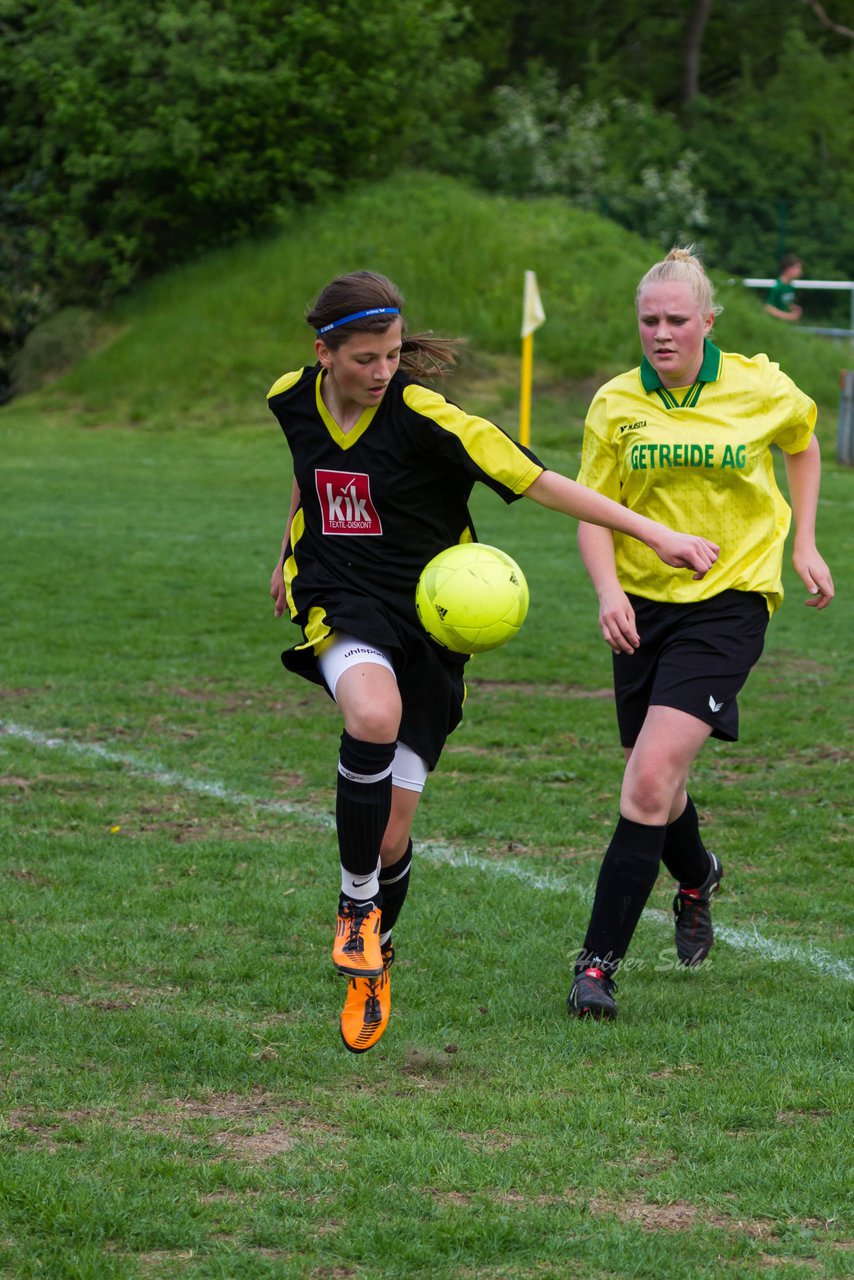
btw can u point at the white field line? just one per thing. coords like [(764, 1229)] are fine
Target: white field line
[(742, 939)]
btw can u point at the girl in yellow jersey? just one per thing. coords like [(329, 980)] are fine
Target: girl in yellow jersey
[(383, 469), (685, 438)]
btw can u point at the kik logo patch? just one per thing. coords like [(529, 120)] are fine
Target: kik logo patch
[(345, 501)]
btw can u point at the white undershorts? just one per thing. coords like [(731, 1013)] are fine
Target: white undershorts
[(409, 770)]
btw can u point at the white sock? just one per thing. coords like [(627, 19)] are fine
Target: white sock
[(361, 888)]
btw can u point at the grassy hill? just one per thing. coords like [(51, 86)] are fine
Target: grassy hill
[(202, 344)]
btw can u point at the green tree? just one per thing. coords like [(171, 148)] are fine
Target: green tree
[(664, 51), (777, 164), (137, 133), (730, 123)]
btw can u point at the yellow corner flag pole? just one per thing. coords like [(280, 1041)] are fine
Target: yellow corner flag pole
[(532, 317)]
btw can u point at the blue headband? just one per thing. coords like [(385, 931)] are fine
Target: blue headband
[(359, 315)]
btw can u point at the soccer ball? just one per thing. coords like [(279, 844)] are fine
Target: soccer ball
[(471, 597)]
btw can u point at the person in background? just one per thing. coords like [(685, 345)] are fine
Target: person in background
[(383, 470), (689, 433), (780, 300)]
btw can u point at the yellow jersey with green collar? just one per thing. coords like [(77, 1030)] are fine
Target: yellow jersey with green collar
[(699, 459)]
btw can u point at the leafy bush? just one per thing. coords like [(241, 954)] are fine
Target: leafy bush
[(615, 157), (52, 347)]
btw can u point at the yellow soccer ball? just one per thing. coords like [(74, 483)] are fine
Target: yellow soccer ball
[(472, 597)]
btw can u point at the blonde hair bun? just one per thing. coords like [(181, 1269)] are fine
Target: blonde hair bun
[(683, 266)]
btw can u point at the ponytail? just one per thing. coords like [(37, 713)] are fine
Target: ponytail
[(364, 294)]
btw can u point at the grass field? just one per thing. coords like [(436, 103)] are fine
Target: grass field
[(176, 1101)]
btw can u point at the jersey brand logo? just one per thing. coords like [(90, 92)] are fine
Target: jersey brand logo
[(715, 706), (345, 502)]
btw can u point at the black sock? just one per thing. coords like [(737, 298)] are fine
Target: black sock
[(394, 884), (684, 853), (362, 808), (625, 882)]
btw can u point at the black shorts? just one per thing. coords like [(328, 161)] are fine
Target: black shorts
[(430, 678), (694, 657)]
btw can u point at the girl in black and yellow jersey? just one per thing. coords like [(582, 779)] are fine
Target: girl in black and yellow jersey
[(686, 436), (383, 468)]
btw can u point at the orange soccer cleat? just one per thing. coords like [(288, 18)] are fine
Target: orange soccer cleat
[(367, 1006), (356, 952)]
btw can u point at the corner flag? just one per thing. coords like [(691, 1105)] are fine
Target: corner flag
[(533, 316)]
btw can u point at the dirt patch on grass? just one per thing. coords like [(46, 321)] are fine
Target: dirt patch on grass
[(530, 688), (58, 786), (492, 1140), (226, 1195), (679, 1216), (243, 701), (19, 784), (459, 1198), (780, 1260), (254, 1128), (258, 1147), (429, 1068), (671, 1218), (682, 1216), (177, 815), (28, 876), (795, 664), (257, 1127), (120, 996), (822, 751), (168, 1263), (795, 1117), (187, 829), (161, 1259), (202, 694), (648, 1165), (185, 818), (220, 1106)]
